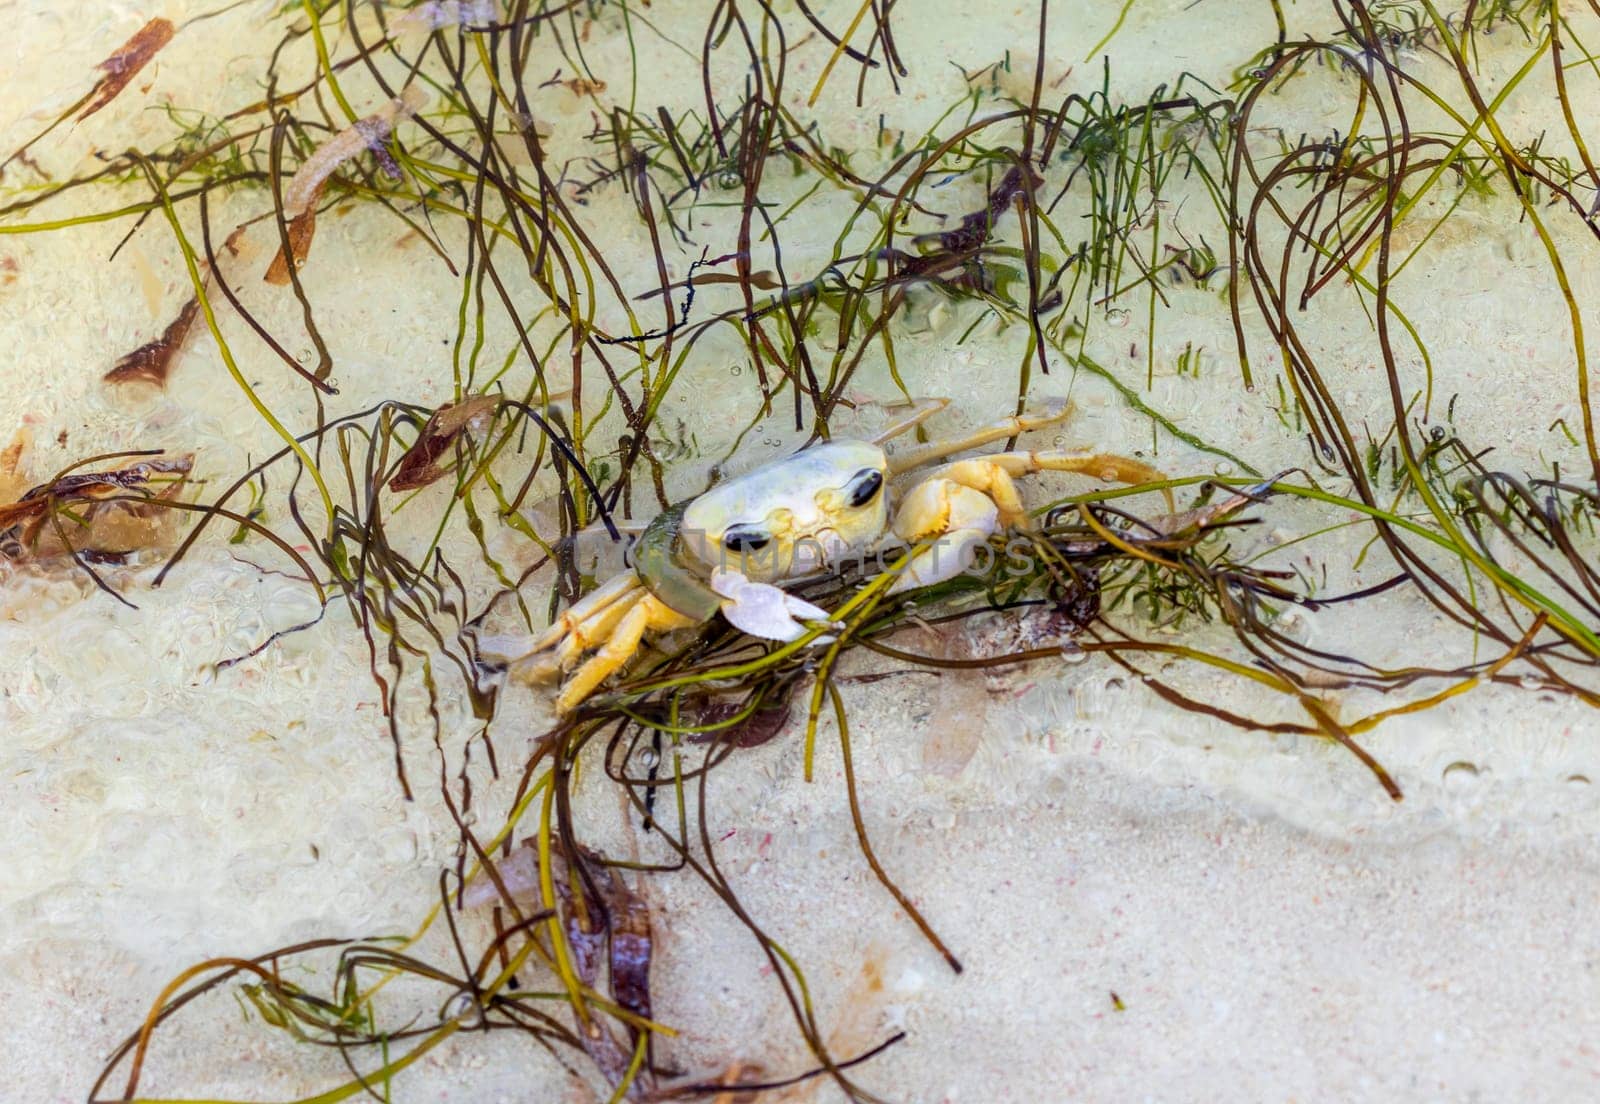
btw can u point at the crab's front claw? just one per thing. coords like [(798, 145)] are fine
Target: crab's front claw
[(762, 609)]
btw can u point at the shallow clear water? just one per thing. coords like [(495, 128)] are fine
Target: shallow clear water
[(1271, 922)]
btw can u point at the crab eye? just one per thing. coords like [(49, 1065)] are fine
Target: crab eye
[(745, 540), (864, 487)]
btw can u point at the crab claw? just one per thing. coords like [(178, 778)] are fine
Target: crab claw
[(762, 609)]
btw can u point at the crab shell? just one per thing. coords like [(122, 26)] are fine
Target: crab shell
[(785, 518)]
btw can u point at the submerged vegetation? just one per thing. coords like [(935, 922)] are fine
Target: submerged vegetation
[(1052, 228)]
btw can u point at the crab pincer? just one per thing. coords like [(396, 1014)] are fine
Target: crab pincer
[(762, 609)]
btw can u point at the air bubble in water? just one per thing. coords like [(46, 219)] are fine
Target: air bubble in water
[(1223, 468), (464, 1009), (1294, 624), (1071, 653), (649, 757), (1459, 775), (1117, 317)]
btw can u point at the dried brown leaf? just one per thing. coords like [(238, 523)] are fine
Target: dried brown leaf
[(151, 362), (611, 925), (763, 723), (121, 67), (301, 229), (420, 465), (109, 511), (628, 921), (367, 133), (11, 458)]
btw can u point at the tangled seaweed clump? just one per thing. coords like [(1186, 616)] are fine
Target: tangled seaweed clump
[(1041, 234)]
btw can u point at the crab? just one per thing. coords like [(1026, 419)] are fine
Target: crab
[(727, 550)]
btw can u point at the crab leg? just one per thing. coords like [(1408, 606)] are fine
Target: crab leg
[(996, 475), (921, 411), (965, 502), (592, 604), (960, 516), (591, 631), (998, 431), (649, 614)]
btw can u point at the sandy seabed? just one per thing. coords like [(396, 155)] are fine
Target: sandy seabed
[(1149, 905)]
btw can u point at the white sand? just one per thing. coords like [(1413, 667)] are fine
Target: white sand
[(1275, 927)]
